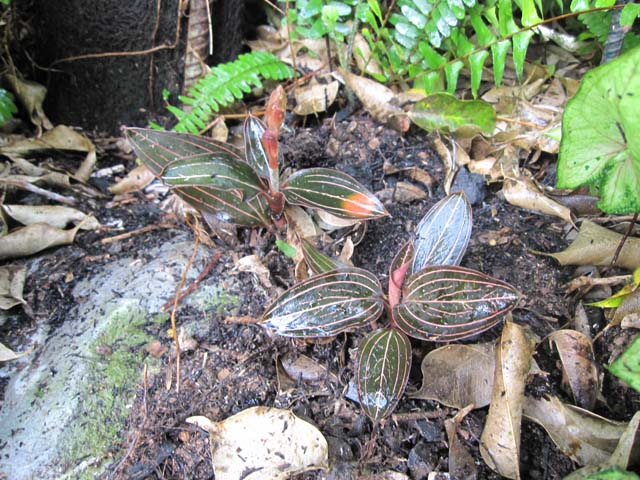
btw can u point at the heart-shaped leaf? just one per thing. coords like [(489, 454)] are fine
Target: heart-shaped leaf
[(445, 303), (334, 192), (601, 135), (317, 261), (157, 149), (443, 233), (384, 361), (255, 154), (327, 304)]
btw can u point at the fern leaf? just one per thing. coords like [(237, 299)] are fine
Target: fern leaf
[(7, 106), (225, 84)]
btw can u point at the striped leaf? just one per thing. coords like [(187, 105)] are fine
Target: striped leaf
[(398, 272), (327, 304), (254, 129), (317, 261), (445, 303), (443, 233), (334, 192), (384, 361)]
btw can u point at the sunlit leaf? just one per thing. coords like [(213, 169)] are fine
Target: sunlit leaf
[(445, 303), (627, 366), (447, 114), (334, 192), (384, 361), (327, 304), (443, 233)]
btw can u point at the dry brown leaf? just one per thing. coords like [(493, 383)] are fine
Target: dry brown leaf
[(500, 441), (364, 60), (523, 192), (584, 436), (579, 370), (315, 98), (263, 443), (448, 161), (629, 308), (461, 464), (12, 278), (54, 215), (33, 239), (304, 368), (596, 245), (31, 95), (329, 222), (402, 192), (6, 354), (458, 375), (136, 180), (253, 264)]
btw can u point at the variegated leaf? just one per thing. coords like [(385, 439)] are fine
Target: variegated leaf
[(255, 154), (445, 303), (384, 361), (443, 233), (333, 191), (317, 261), (157, 149), (327, 304)]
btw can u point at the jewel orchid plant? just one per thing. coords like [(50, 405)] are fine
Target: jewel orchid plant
[(246, 190), (429, 298)]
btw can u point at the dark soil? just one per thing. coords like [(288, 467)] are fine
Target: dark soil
[(240, 370)]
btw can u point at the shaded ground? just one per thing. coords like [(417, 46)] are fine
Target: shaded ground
[(234, 366)]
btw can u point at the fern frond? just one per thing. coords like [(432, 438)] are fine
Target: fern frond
[(225, 84), (7, 106)]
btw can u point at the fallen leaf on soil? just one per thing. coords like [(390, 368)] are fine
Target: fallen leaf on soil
[(136, 179), (315, 98), (579, 370), (461, 463), (6, 354), (263, 443), (448, 162), (35, 238), (628, 308), (523, 192), (596, 245), (500, 440), (364, 60), (402, 192), (458, 375), (12, 280), (389, 475), (304, 368), (627, 366), (253, 264), (54, 215), (585, 437), (31, 95)]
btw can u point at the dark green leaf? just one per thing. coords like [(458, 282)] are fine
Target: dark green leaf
[(445, 303), (332, 191), (476, 62), (317, 261), (255, 154), (384, 361), (499, 54), (443, 233), (327, 304), (447, 114)]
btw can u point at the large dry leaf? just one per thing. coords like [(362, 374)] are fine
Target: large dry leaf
[(31, 95), (263, 443), (33, 239), (54, 215), (523, 192), (579, 370), (500, 441), (136, 179), (461, 463), (12, 280), (364, 60), (458, 375), (584, 436), (596, 245), (315, 98)]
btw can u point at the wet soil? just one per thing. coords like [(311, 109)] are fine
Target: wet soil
[(235, 365)]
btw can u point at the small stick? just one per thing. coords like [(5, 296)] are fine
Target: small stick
[(124, 236), (624, 239), (39, 191)]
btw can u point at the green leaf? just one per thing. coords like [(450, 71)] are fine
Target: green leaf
[(520, 44), (384, 361), (627, 366), (476, 62), (629, 13), (332, 191), (499, 54), (601, 135), (451, 73), (288, 250), (255, 154), (317, 261), (7, 106), (443, 233), (612, 473), (445, 303), (447, 114), (327, 304)]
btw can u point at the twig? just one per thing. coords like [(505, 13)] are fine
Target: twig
[(37, 190), (624, 239), (124, 236)]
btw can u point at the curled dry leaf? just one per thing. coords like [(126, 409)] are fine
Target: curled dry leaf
[(136, 179), (31, 95), (253, 264), (364, 60), (54, 215), (585, 437), (523, 192), (33, 239), (500, 441), (579, 371), (629, 309), (304, 368), (263, 443), (315, 98), (461, 463), (458, 375), (402, 192), (596, 245), (12, 280)]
